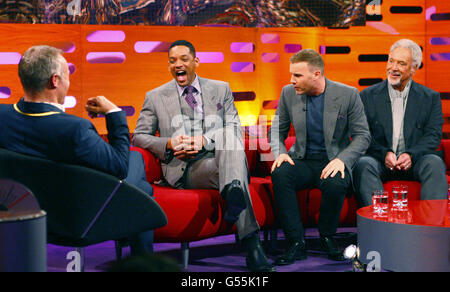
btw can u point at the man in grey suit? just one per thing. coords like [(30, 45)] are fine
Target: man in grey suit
[(331, 134), (405, 119), (200, 143)]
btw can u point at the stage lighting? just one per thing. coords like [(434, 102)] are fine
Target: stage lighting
[(352, 253)]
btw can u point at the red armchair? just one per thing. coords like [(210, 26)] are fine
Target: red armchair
[(197, 214)]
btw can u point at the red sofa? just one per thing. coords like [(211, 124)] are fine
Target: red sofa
[(198, 214)]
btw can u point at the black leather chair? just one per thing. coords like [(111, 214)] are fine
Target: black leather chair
[(84, 206)]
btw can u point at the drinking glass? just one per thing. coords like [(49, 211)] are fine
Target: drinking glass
[(400, 197), (380, 201)]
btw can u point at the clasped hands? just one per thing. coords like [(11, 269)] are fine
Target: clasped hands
[(403, 162), (333, 167), (186, 147)]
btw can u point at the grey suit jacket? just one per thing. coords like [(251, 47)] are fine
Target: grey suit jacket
[(345, 126), (161, 113)]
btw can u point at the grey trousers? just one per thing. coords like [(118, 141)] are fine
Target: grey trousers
[(369, 175), (218, 169)]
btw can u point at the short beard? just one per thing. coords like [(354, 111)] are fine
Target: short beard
[(395, 83)]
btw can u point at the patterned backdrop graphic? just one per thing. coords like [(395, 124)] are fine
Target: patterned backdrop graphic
[(246, 13)]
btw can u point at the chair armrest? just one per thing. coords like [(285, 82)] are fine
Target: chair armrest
[(153, 171)]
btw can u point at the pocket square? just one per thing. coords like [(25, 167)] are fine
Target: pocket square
[(219, 106), (340, 117)]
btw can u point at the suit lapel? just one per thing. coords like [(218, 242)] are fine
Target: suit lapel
[(209, 97), (171, 101), (383, 104), (330, 113), (413, 107), (299, 118)]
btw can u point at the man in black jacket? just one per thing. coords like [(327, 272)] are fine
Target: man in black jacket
[(405, 120)]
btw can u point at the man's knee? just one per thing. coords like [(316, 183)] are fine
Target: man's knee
[(365, 162), (282, 173), (432, 162), (136, 173), (365, 167), (336, 184)]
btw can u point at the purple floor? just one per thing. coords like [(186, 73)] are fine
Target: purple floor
[(219, 254)]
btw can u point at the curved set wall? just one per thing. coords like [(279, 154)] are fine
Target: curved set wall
[(124, 62)]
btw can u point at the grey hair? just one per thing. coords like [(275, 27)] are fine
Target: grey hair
[(416, 51), (37, 66), (309, 56)]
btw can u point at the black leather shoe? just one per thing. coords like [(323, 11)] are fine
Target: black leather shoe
[(256, 259), (295, 251), (330, 246), (235, 201)]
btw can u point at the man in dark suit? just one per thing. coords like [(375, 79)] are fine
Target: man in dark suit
[(331, 134), (37, 125), (200, 143), (405, 120)]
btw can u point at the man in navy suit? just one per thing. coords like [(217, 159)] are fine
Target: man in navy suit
[(405, 120), (38, 126)]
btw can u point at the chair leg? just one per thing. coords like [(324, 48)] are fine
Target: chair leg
[(118, 246), (185, 254), (80, 251)]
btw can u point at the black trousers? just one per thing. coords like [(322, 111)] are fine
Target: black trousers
[(288, 179)]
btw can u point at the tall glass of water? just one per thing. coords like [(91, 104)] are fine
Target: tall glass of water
[(400, 197), (380, 201)]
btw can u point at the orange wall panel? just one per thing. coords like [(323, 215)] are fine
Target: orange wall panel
[(126, 83)]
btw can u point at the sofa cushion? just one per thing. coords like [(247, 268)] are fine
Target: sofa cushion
[(445, 147), (197, 214), (192, 214)]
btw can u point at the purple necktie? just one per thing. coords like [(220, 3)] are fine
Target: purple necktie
[(190, 99)]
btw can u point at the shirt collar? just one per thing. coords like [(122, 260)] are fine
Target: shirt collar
[(195, 84), (394, 92), (59, 106)]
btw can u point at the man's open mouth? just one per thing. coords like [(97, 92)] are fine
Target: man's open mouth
[(395, 74), (181, 76)]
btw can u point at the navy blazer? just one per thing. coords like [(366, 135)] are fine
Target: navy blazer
[(43, 130), (422, 126)]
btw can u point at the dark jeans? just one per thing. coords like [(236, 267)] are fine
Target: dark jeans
[(142, 242), (288, 179)]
